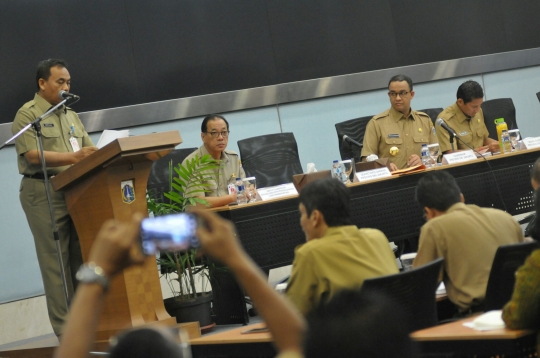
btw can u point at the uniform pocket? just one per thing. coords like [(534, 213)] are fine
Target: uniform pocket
[(393, 141)]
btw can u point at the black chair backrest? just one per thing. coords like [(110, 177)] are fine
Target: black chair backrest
[(354, 128), (499, 108), (502, 277), (414, 290), (158, 180), (538, 95), (272, 159), (432, 113)]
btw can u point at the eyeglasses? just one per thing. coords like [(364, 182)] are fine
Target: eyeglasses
[(401, 94), (224, 134)]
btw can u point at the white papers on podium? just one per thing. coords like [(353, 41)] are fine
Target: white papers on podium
[(531, 142), (487, 322), (459, 157), (109, 135), (278, 191)]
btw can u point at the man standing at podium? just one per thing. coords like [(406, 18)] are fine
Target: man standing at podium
[(65, 142), (399, 132), (215, 136)]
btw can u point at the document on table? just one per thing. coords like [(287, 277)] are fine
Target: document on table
[(109, 135)]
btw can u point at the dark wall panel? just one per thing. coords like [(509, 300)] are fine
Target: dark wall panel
[(521, 24), (187, 48), (320, 38)]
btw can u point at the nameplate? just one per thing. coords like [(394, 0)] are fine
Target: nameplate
[(277, 191), (459, 157), (373, 174), (531, 142)]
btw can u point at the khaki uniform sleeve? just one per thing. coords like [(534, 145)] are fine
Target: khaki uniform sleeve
[(523, 310), (427, 248), (372, 137), (443, 137), (26, 141), (302, 285)]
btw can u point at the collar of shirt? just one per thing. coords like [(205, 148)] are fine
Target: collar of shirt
[(224, 157), (456, 207), (460, 116), (44, 106), (397, 116), (338, 231)]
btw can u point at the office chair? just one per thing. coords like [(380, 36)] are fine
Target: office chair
[(499, 108), (538, 95), (354, 128), (502, 276), (272, 159), (158, 179), (432, 113), (414, 290)]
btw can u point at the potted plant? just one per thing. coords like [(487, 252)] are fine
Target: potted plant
[(181, 269)]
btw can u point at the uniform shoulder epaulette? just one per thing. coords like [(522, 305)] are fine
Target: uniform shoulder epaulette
[(230, 152), (382, 115), (423, 114), (29, 104)]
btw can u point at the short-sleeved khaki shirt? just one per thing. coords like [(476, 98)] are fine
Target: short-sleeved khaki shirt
[(219, 179), (472, 131), (55, 129), (391, 135)]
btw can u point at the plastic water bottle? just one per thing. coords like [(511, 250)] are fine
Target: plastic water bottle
[(335, 170), (240, 193), (506, 145), (426, 159)]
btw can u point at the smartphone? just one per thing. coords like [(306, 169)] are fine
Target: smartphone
[(167, 233)]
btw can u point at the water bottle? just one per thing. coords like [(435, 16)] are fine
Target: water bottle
[(335, 170), (240, 193), (506, 145), (426, 159)]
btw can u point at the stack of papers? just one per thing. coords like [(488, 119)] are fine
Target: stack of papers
[(109, 135), (487, 322)]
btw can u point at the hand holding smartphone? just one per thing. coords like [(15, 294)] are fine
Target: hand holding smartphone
[(168, 233)]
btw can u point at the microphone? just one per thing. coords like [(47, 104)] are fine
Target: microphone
[(441, 123), (67, 95), (350, 140)]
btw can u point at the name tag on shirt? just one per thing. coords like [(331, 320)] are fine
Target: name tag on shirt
[(74, 144), (48, 124), (393, 136)]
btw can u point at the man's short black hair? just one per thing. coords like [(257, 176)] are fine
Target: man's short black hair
[(535, 171), (210, 117), (331, 197), (44, 68), (144, 342), (358, 324), (438, 190), (469, 91), (401, 78)]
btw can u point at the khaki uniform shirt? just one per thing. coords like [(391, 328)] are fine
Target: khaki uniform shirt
[(55, 129), (391, 135), (467, 236), (219, 179), (343, 258), (472, 131)]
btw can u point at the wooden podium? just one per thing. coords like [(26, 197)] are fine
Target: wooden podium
[(93, 192)]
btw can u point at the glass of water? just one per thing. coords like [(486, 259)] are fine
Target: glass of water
[(514, 139), (250, 188), (434, 152)]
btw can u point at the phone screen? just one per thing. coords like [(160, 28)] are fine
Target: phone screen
[(176, 232)]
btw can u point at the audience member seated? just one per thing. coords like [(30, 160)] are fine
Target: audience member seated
[(364, 332), (535, 182), (337, 254), (465, 117), (523, 310), (467, 236), (399, 132), (215, 136)]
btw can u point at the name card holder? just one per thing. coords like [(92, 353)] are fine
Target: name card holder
[(458, 157), (373, 174), (531, 142), (278, 191)]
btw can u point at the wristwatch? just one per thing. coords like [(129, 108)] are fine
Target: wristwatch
[(90, 273)]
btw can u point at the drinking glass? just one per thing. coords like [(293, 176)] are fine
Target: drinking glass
[(514, 139), (250, 187), (434, 152)]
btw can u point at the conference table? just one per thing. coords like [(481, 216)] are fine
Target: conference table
[(270, 230)]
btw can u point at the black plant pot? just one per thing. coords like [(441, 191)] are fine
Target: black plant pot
[(192, 310)]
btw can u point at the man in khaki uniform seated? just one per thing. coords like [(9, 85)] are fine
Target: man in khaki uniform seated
[(337, 254), (215, 136), (65, 142), (467, 236), (466, 118), (399, 132)]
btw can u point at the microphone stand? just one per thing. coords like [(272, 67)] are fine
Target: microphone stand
[(36, 124), (452, 135)]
